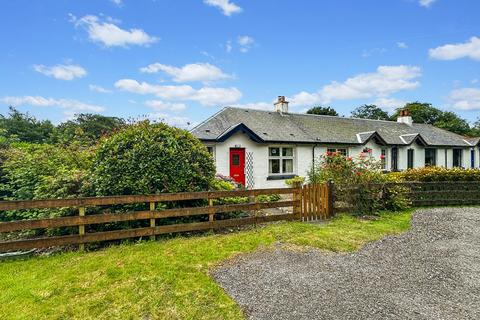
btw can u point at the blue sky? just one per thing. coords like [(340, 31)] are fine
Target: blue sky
[(181, 61)]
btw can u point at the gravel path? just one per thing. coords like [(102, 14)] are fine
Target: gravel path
[(430, 272)]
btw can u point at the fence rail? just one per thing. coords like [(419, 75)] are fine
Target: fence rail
[(434, 193), (83, 220), (309, 202)]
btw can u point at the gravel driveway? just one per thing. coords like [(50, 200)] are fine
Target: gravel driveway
[(430, 272)]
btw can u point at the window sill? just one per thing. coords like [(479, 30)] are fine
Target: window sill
[(281, 177)]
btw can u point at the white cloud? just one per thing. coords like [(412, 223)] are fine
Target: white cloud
[(175, 121), (402, 45), (117, 2), (426, 3), (69, 106), (110, 35), (469, 49), (374, 51), (206, 96), (204, 72), (227, 7), (389, 104), (228, 46), (255, 105), (61, 71), (465, 99), (245, 43), (98, 89), (385, 81), (159, 105)]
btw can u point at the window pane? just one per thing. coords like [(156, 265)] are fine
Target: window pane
[(430, 155), (330, 150), (457, 157), (274, 152), (274, 165), (287, 165), (287, 152), (410, 158), (342, 152), (236, 159)]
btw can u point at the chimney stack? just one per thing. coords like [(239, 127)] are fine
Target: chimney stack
[(405, 117), (281, 105)]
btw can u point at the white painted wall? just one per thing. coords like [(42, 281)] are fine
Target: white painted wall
[(303, 157)]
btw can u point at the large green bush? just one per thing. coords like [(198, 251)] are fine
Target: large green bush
[(42, 171), (150, 158)]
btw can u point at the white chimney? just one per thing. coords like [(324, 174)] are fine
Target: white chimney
[(281, 105), (405, 117)]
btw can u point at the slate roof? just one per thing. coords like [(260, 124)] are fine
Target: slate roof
[(271, 126)]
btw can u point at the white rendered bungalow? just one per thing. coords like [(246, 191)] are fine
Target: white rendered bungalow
[(263, 148)]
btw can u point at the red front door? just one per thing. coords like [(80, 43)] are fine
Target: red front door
[(237, 165)]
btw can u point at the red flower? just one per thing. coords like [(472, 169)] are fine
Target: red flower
[(349, 158), (382, 157)]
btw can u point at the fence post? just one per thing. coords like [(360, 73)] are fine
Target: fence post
[(81, 228), (211, 215), (152, 221), (297, 197), (330, 207)]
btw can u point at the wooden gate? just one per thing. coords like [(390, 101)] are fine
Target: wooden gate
[(317, 201)]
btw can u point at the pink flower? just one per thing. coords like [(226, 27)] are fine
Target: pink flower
[(382, 157)]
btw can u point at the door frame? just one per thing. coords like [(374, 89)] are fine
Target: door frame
[(242, 153)]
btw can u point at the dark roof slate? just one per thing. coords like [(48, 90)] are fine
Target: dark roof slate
[(273, 126)]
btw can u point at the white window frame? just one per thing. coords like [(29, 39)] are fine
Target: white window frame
[(335, 149), (213, 154), (281, 157)]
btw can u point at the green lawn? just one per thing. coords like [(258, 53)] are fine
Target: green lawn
[(165, 279)]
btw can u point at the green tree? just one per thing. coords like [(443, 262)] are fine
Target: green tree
[(327, 111), (88, 128), (452, 122), (151, 158), (22, 127), (475, 129), (370, 111), (426, 113), (420, 112)]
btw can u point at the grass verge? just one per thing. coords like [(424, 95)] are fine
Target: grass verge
[(164, 279)]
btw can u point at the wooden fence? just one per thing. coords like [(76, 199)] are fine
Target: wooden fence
[(443, 193), (310, 202), (317, 201), (419, 193)]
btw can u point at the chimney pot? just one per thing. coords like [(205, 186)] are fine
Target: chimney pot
[(281, 105), (404, 117)]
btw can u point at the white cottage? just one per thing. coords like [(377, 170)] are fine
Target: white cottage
[(263, 148)]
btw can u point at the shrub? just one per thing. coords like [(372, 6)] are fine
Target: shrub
[(359, 183), (151, 158), (430, 174), (40, 171), (294, 181)]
